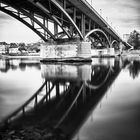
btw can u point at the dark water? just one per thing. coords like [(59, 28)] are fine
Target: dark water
[(99, 100)]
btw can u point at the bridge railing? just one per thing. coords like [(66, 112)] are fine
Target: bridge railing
[(98, 15)]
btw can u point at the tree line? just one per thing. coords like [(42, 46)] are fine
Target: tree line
[(30, 47), (134, 39)]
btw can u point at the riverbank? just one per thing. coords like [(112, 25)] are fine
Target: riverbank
[(20, 56), (125, 54), (33, 133), (132, 53)]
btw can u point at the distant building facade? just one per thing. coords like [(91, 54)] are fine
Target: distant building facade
[(3, 47), (13, 48)]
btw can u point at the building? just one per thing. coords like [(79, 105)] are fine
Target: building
[(3, 47), (13, 48)]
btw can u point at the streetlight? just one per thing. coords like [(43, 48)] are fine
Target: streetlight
[(107, 19), (101, 12)]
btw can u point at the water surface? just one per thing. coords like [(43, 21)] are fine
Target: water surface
[(106, 109)]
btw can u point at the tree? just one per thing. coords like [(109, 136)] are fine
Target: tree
[(22, 47), (134, 39), (34, 47)]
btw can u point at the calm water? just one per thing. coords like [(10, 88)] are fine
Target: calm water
[(108, 108), (19, 79)]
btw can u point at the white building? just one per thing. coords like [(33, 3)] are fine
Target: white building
[(13, 49), (2, 49)]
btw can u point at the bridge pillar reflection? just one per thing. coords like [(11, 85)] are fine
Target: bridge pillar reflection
[(84, 92), (46, 89), (57, 90)]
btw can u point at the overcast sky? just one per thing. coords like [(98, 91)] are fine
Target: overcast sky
[(123, 14)]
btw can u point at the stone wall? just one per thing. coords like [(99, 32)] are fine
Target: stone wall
[(66, 50)]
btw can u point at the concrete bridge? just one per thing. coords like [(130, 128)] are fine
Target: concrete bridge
[(69, 28)]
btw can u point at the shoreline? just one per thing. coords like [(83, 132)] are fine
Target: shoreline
[(132, 54), (19, 56)]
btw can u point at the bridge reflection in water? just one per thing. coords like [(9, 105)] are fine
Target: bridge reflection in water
[(67, 96)]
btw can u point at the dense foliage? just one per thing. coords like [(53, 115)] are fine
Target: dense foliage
[(33, 47), (22, 47), (134, 39)]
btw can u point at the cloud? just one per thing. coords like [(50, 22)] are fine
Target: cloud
[(124, 14), (4, 19)]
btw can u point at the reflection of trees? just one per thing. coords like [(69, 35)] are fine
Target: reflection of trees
[(134, 69), (22, 66), (7, 65)]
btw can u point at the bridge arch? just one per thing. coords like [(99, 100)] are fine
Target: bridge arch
[(21, 15), (100, 31), (69, 18), (33, 20), (113, 43), (40, 6)]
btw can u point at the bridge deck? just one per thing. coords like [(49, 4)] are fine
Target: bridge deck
[(82, 6), (88, 10)]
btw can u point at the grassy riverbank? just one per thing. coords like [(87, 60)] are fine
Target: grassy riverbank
[(16, 56), (132, 53)]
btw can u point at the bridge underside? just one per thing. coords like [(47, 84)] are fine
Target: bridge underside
[(60, 19)]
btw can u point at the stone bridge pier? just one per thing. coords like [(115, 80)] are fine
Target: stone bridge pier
[(64, 50)]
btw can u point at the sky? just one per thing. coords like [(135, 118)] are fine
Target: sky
[(123, 15)]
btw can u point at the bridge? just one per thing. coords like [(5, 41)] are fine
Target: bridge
[(69, 28)]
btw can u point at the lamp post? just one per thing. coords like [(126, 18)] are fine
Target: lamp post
[(101, 12)]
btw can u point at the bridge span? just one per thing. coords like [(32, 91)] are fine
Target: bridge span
[(69, 28)]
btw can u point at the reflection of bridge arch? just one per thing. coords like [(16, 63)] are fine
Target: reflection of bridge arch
[(48, 92), (94, 87), (34, 99), (79, 101), (100, 31)]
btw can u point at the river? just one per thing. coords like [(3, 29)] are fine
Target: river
[(98, 100)]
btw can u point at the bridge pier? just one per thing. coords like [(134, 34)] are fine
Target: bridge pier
[(107, 52), (66, 50)]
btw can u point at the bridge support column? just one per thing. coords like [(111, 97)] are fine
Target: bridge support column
[(83, 24), (55, 28), (108, 52), (65, 50)]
